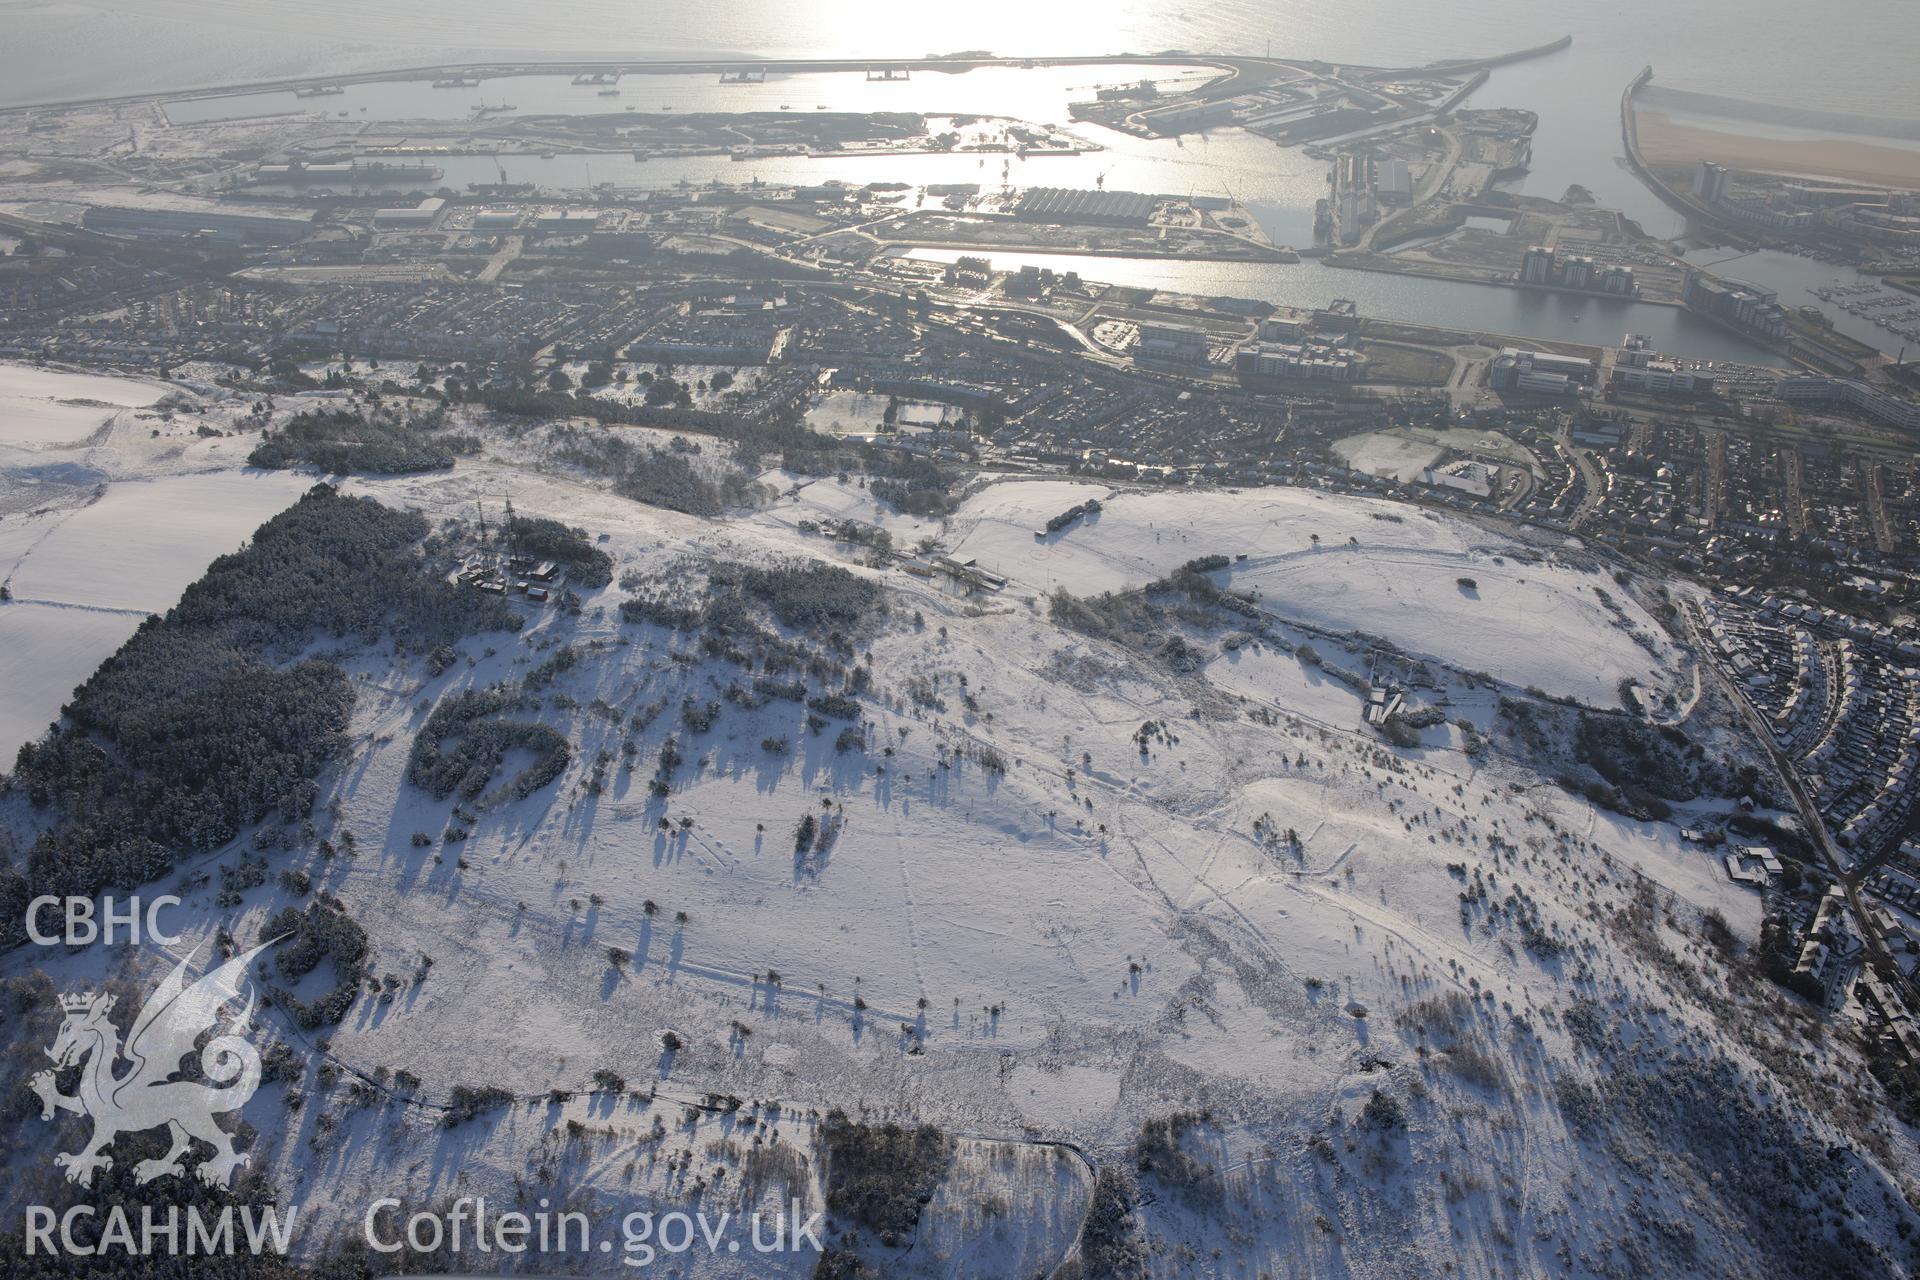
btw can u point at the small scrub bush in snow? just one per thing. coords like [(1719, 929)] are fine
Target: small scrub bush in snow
[(471, 1101)]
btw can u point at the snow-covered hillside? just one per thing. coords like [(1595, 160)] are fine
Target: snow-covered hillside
[(1420, 1009), (1534, 615)]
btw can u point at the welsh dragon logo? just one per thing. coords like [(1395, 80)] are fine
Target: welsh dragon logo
[(146, 1096)]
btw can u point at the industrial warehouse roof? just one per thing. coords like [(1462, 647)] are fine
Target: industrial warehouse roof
[(1068, 204)]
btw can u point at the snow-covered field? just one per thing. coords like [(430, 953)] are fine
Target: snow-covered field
[(1384, 453), (138, 547), (46, 651), (49, 406)]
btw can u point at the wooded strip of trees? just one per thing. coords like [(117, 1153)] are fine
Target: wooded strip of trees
[(542, 539), (346, 441)]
